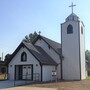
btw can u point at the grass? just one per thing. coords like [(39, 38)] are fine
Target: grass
[(88, 78), (65, 85)]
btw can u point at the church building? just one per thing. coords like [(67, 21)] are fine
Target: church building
[(44, 57)]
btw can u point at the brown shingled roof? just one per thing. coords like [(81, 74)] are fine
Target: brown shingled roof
[(37, 52), (54, 45), (40, 54)]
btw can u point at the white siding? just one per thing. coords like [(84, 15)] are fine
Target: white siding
[(73, 50), (47, 72), (51, 53), (17, 61), (82, 52), (70, 51)]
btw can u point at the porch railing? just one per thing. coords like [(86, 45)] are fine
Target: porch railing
[(26, 79)]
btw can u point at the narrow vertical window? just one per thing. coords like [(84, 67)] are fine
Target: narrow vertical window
[(23, 56), (81, 30), (69, 29), (49, 46)]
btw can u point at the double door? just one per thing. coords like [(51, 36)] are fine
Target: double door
[(27, 72), (23, 72)]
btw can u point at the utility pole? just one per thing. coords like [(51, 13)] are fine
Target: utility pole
[(2, 56)]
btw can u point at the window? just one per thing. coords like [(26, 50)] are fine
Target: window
[(49, 46), (23, 56), (69, 29), (81, 30), (24, 67), (29, 67)]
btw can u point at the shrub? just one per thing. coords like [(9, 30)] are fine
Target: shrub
[(88, 72)]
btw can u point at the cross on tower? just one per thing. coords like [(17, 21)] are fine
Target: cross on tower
[(72, 5)]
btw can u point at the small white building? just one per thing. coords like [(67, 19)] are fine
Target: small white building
[(37, 61), (30, 61)]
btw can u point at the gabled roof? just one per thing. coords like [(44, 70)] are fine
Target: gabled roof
[(37, 52), (54, 45), (73, 17), (14, 53), (40, 54), (45, 56)]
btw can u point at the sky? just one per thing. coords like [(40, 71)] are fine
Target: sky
[(19, 18)]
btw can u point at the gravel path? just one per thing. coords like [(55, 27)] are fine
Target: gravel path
[(66, 85)]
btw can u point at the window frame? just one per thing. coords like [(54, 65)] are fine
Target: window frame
[(69, 29), (81, 30), (23, 57)]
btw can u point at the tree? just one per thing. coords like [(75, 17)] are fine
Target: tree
[(87, 55), (30, 37), (7, 57)]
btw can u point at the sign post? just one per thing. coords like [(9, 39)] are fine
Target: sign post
[(54, 74)]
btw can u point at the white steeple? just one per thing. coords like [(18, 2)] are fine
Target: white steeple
[(73, 17), (73, 48)]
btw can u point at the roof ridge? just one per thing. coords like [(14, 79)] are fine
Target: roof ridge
[(51, 40)]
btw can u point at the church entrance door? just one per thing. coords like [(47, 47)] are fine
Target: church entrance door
[(27, 72)]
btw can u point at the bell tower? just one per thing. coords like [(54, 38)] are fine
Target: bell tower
[(73, 48)]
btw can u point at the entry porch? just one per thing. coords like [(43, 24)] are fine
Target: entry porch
[(25, 72)]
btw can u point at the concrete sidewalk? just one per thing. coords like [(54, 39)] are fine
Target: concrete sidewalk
[(9, 84), (29, 88), (6, 84)]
